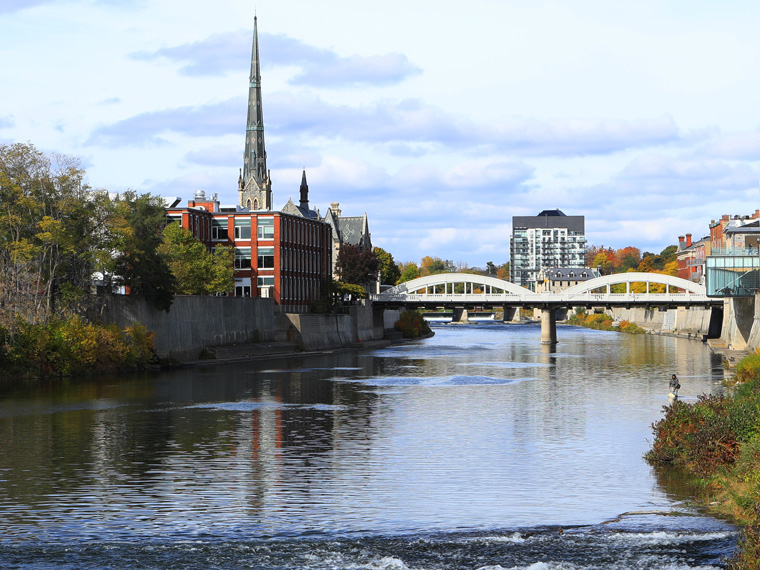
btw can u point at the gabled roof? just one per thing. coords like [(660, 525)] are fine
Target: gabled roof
[(291, 208), (353, 230)]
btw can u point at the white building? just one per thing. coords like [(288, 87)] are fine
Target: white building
[(549, 240)]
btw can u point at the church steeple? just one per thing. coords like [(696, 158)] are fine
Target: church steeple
[(304, 192), (254, 186)]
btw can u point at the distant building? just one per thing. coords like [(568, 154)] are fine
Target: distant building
[(549, 240), (732, 264), (558, 279), (724, 234), (351, 230), (277, 255), (691, 258)]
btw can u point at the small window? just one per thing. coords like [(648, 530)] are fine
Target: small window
[(242, 228), (242, 257), (265, 258), (265, 228), (219, 230)]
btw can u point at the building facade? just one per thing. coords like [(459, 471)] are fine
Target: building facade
[(691, 258), (558, 279), (277, 255), (549, 240)]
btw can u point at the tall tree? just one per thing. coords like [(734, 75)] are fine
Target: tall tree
[(389, 270), (137, 225), (356, 265), (197, 270), (51, 233)]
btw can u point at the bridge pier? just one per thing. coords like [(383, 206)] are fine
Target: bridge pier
[(548, 326), (460, 315), (511, 314)]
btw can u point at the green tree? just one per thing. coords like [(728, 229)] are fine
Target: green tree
[(356, 265), (389, 270), (409, 271), (51, 234), (137, 224), (197, 270)]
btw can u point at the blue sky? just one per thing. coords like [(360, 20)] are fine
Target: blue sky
[(441, 120)]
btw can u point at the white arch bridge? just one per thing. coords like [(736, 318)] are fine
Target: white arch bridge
[(469, 291)]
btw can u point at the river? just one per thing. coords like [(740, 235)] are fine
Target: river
[(475, 449)]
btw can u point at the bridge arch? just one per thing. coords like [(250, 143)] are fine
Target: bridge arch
[(487, 284), (635, 277)]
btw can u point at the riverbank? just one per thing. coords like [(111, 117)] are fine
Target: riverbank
[(717, 442)]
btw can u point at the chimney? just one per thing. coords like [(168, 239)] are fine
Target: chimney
[(680, 243), (335, 209), (688, 240)]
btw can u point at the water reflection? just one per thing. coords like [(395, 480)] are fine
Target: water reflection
[(477, 428)]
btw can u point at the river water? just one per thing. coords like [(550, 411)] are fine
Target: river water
[(475, 449)]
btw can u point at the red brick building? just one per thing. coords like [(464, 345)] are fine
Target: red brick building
[(691, 258), (277, 255)]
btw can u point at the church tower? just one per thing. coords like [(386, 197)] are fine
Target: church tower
[(254, 183)]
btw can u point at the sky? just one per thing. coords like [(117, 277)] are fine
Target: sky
[(440, 120)]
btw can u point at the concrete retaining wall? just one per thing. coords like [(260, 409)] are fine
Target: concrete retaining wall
[(685, 321), (323, 332), (195, 322), (741, 323)]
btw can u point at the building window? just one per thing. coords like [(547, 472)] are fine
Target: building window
[(265, 228), (219, 230), (242, 228), (242, 257), (265, 258), (266, 281)]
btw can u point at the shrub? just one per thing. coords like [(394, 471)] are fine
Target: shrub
[(748, 368), (412, 324), (698, 436), (63, 347)]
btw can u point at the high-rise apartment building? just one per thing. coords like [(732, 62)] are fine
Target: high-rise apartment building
[(549, 240)]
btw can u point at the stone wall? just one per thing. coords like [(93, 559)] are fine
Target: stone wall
[(195, 322)]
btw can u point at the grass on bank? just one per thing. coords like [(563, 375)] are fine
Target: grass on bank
[(63, 347), (603, 322), (717, 441)]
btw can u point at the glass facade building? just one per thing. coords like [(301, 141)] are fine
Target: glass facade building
[(732, 273)]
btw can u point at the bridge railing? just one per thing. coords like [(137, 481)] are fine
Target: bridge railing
[(546, 298)]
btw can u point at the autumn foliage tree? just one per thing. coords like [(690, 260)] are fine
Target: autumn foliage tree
[(409, 271)]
